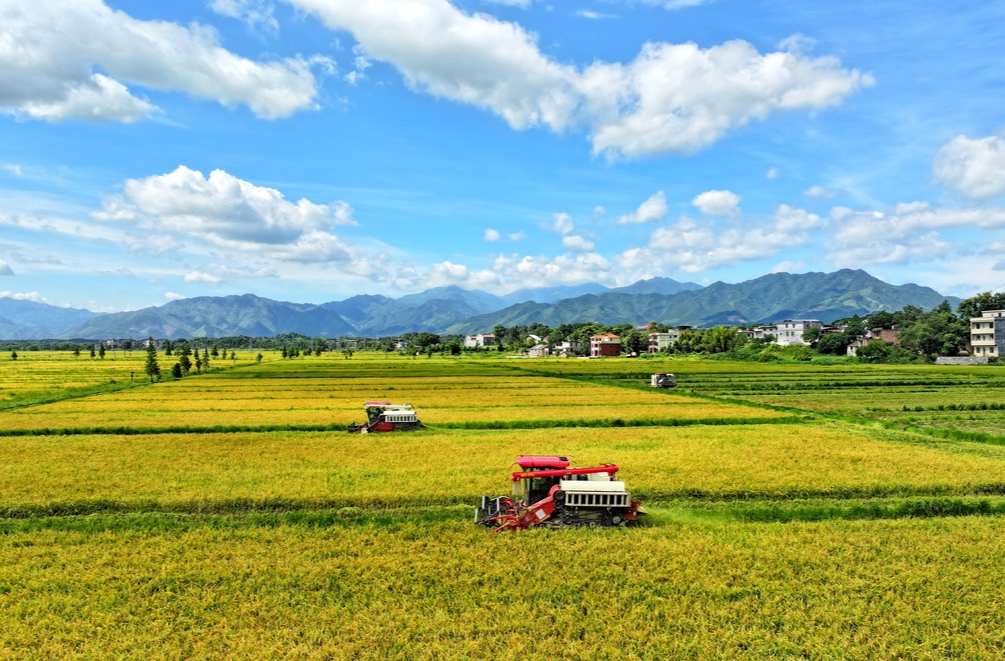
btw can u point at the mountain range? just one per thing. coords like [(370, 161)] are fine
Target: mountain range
[(453, 310)]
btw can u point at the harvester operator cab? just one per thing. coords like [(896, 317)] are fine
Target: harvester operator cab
[(537, 488)]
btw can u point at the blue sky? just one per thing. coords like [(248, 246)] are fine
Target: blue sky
[(310, 150)]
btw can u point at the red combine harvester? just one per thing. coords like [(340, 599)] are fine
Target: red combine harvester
[(385, 416), (547, 492)]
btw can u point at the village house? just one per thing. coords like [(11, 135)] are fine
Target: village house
[(790, 331), (566, 348), (662, 341), (888, 335), (987, 334), (605, 345), (480, 340), (761, 332), (539, 351)]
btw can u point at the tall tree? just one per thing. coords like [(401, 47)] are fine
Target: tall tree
[(975, 305), (151, 367), (185, 359)]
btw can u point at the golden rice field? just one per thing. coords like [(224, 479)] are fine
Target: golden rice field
[(835, 528), (205, 472), (910, 589)]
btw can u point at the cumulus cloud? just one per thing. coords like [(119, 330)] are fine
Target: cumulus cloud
[(692, 246), (673, 98), (820, 193), (5, 269), (563, 223), (232, 213), (537, 271), (576, 243), (64, 60), (203, 278), (491, 235), (518, 236), (908, 232), (718, 203), (32, 296), (171, 296), (511, 272), (215, 274), (652, 210), (974, 167), (773, 173)]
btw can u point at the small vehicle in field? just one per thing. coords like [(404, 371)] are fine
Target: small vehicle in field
[(546, 491), (385, 416), (663, 380)]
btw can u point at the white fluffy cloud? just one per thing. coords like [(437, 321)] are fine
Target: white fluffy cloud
[(692, 246), (563, 223), (232, 213), (63, 60), (974, 167), (215, 274), (577, 243), (203, 278), (33, 296), (491, 235), (652, 210), (718, 203), (821, 193), (673, 98), (909, 232), (171, 296)]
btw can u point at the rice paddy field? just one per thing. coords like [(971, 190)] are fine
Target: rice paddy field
[(795, 511)]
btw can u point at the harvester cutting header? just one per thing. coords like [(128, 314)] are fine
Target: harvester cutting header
[(547, 492)]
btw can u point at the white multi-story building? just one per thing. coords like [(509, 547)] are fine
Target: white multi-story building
[(987, 334), (761, 332), (480, 340), (790, 331), (662, 341)]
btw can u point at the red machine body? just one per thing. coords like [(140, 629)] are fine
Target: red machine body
[(548, 492)]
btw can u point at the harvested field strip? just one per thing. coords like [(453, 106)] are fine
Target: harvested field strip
[(185, 472), (660, 513), (515, 424), (617, 422), (52, 418)]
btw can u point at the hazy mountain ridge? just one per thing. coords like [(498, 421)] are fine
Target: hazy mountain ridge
[(28, 320), (824, 296)]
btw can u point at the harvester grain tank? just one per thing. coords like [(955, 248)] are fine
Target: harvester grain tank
[(663, 380), (385, 416), (546, 491)]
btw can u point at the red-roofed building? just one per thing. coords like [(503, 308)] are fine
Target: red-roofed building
[(480, 340), (606, 344)]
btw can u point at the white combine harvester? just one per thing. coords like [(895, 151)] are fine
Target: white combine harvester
[(663, 380)]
